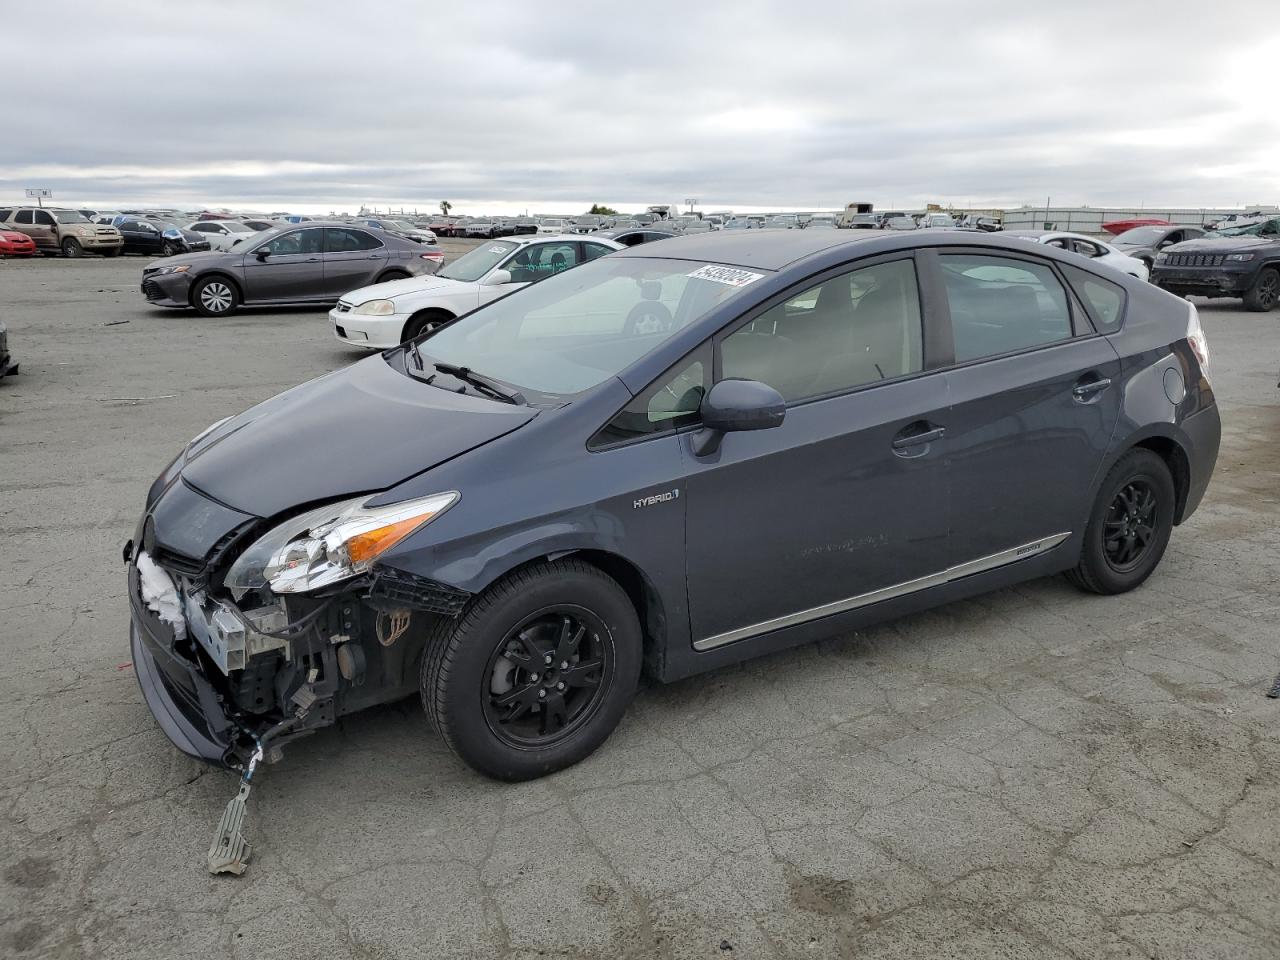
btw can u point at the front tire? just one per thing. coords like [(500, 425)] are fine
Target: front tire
[(168, 250), (215, 297), (537, 671), (1129, 527), (423, 322), (1265, 292), (71, 248), (112, 252)]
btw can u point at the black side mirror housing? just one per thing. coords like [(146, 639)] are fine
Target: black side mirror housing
[(733, 406), (262, 253)]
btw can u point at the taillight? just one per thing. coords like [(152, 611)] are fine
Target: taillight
[(1196, 337), (435, 257)]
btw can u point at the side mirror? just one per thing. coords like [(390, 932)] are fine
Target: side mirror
[(733, 406), (261, 253), (497, 278)]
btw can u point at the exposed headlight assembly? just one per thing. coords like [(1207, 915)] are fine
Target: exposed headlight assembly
[(1241, 257), (180, 268), (1161, 256), (375, 308), (330, 544)]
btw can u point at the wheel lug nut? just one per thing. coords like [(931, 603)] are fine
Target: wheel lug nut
[(533, 677), (547, 658), (560, 686), (564, 664), (541, 694)]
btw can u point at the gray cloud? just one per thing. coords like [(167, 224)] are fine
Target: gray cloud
[(330, 104)]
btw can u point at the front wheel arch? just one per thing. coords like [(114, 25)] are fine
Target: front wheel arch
[(414, 326), (235, 285)]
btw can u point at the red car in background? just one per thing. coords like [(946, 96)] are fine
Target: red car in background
[(1117, 227), (15, 244)]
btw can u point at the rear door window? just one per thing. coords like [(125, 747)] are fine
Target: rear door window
[(346, 240), (24, 216), (1001, 305)]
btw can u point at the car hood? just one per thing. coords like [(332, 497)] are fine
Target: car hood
[(196, 259), (408, 287), (364, 428), (1220, 244)]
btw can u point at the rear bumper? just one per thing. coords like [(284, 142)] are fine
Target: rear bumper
[(1204, 431), (183, 702)]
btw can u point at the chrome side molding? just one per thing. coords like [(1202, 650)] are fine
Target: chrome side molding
[(967, 569)]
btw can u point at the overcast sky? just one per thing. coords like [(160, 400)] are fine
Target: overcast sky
[(316, 106)]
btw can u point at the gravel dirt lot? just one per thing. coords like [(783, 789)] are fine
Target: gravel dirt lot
[(1035, 773)]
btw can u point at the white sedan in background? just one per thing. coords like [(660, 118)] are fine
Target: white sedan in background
[(387, 314), (223, 234), (1089, 247)]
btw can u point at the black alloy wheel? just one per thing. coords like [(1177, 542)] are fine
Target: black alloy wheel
[(168, 250), (71, 247), (537, 671), (1130, 525), (547, 677), (1265, 292)]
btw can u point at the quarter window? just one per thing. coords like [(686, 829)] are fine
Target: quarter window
[(1105, 299), (671, 401), (854, 329), (4, 215), (593, 250), (1000, 305)]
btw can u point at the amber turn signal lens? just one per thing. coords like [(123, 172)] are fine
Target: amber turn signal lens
[(365, 546)]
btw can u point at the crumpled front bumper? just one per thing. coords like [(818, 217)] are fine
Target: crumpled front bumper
[(178, 695)]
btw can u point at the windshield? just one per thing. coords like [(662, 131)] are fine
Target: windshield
[(1266, 227), (472, 266), (576, 329), (403, 224), (552, 223), (69, 216), (1141, 236)]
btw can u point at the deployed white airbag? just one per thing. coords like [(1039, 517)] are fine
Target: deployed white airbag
[(160, 595)]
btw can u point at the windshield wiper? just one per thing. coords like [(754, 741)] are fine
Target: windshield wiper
[(494, 388)]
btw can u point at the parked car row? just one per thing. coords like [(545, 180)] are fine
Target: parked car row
[(58, 230)]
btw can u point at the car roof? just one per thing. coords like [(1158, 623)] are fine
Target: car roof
[(764, 249)]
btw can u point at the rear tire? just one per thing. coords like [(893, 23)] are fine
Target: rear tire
[(537, 671), (215, 297), (394, 275), (1265, 292), (71, 248), (1129, 526), (111, 252)]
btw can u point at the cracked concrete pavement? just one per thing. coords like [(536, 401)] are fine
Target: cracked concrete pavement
[(1034, 773)]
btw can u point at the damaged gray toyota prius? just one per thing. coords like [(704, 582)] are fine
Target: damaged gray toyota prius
[(672, 458)]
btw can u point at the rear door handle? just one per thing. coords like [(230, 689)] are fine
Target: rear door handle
[(1083, 391), (915, 439)]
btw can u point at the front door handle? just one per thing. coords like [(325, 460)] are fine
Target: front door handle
[(1083, 391), (915, 439)]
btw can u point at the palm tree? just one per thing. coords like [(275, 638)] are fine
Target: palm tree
[(445, 207)]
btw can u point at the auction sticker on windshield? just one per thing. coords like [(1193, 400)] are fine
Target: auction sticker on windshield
[(730, 275)]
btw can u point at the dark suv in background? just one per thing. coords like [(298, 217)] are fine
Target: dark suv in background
[(1239, 262)]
